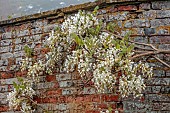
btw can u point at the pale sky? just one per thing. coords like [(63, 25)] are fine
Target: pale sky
[(16, 8)]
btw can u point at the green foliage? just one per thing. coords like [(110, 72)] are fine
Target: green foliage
[(20, 85), (28, 51)]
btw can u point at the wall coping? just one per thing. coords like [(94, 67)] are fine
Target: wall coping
[(61, 11)]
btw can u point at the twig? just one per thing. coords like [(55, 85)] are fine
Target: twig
[(151, 53), (162, 61)]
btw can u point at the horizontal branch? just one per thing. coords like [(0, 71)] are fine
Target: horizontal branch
[(151, 53)]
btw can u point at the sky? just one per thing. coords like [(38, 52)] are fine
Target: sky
[(17, 8)]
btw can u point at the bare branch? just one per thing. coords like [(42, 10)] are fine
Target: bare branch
[(158, 59)]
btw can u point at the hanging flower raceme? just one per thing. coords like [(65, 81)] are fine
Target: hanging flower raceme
[(85, 43)]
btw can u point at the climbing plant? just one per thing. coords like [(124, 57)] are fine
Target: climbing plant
[(90, 46)]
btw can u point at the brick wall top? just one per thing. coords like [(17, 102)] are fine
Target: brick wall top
[(59, 12)]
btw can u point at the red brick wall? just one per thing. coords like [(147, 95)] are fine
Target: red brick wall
[(62, 93)]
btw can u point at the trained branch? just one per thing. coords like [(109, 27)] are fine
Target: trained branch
[(158, 59)]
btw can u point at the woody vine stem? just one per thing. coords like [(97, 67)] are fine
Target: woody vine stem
[(88, 45)]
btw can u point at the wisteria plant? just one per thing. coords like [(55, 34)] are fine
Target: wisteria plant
[(87, 44)]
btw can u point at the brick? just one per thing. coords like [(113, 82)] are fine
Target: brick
[(145, 6), (5, 75), (6, 55), (141, 39), (3, 88), (65, 84), (89, 90), (8, 81), (127, 8), (62, 107), (163, 30), (110, 98), (151, 14), (50, 78), (102, 106), (160, 39), (62, 99), (50, 27), (161, 106), (128, 24), (19, 54), (54, 92), (6, 42), (6, 35), (37, 31), (5, 49), (63, 77), (36, 38), (163, 13), (140, 23), (22, 33), (45, 85), (3, 108), (158, 81), (68, 91), (2, 30), (3, 68), (93, 111), (149, 31), (161, 5), (159, 22), (95, 98), (157, 98), (49, 100), (157, 89)]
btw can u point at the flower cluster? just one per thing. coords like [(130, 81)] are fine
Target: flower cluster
[(79, 23), (21, 95), (85, 43)]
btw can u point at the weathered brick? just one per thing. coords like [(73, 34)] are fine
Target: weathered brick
[(159, 22), (63, 77), (48, 28), (141, 39), (5, 49), (156, 97), (68, 91), (145, 6), (37, 30), (3, 88), (6, 55), (164, 46), (6, 35), (141, 23), (158, 81), (19, 54), (66, 83), (149, 31), (151, 14), (50, 78), (22, 33), (127, 8), (8, 81), (62, 107), (163, 13), (89, 90), (160, 39), (161, 5), (6, 42)]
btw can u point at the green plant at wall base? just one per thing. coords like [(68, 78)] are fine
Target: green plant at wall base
[(88, 45)]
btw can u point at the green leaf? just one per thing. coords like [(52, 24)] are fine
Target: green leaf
[(28, 51), (16, 86), (130, 48), (95, 10), (91, 31), (77, 39)]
